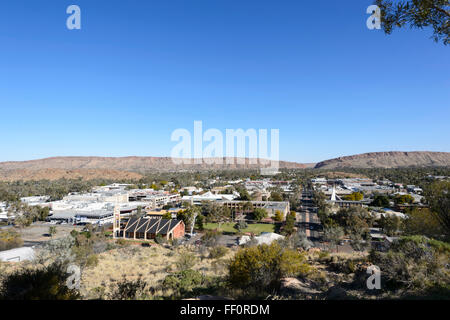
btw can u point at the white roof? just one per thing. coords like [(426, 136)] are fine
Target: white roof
[(389, 212), (18, 254), (208, 196), (264, 238)]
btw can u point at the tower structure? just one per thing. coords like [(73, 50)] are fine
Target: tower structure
[(116, 224)]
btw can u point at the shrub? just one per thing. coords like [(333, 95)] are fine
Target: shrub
[(262, 267), (47, 283), (211, 237), (92, 261), (278, 216), (128, 289), (185, 261), (324, 256), (218, 252), (414, 263), (121, 242), (183, 281), (10, 240), (159, 239), (241, 225)]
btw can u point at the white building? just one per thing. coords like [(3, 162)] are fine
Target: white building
[(35, 201), (264, 238), (319, 181), (17, 255), (4, 212), (388, 213), (209, 196)]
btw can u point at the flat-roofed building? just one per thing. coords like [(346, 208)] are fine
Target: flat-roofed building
[(17, 254), (270, 206)]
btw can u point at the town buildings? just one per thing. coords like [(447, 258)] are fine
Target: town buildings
[(146, 228)]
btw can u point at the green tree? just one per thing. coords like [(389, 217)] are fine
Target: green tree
[(247, 207), (52, 231), (416, 14), (241, 225), (404, 199), (276, 196), (437, 195), (41, 213), (219, 214), (23, 221), (353, 220), (188, 215), (354, 196), (423, 222), (278, 216), (259, 214), (390, 224), (243, 194), (199, 222), (380, 201), (333, 235), (167, 215), (289, 225)]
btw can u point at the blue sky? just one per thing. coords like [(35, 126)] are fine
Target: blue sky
[(138, 70)]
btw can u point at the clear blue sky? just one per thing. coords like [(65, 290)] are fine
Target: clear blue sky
[(137, 70)]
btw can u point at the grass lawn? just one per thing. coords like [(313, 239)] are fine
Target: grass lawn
[(256, 228)]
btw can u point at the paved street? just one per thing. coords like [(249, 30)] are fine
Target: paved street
[(307, 218)]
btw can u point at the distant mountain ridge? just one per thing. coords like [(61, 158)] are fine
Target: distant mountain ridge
[(391, 159), (56, 174), (136, 164), (133, 167)]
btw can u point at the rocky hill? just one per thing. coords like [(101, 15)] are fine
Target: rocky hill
[(56, 174), (132, 168), (135, 164), (114, 168), (393, 159)]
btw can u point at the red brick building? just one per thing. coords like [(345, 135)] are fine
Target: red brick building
[(148, 228)]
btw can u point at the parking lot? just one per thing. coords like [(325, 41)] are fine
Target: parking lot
[(223, 240), (38, 232)]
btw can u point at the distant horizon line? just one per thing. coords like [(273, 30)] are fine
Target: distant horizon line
[(247, 158)]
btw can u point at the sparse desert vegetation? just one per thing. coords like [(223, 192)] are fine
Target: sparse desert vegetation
[(151, 264)]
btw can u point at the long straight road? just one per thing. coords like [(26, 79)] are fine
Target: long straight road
[(307, 218)]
